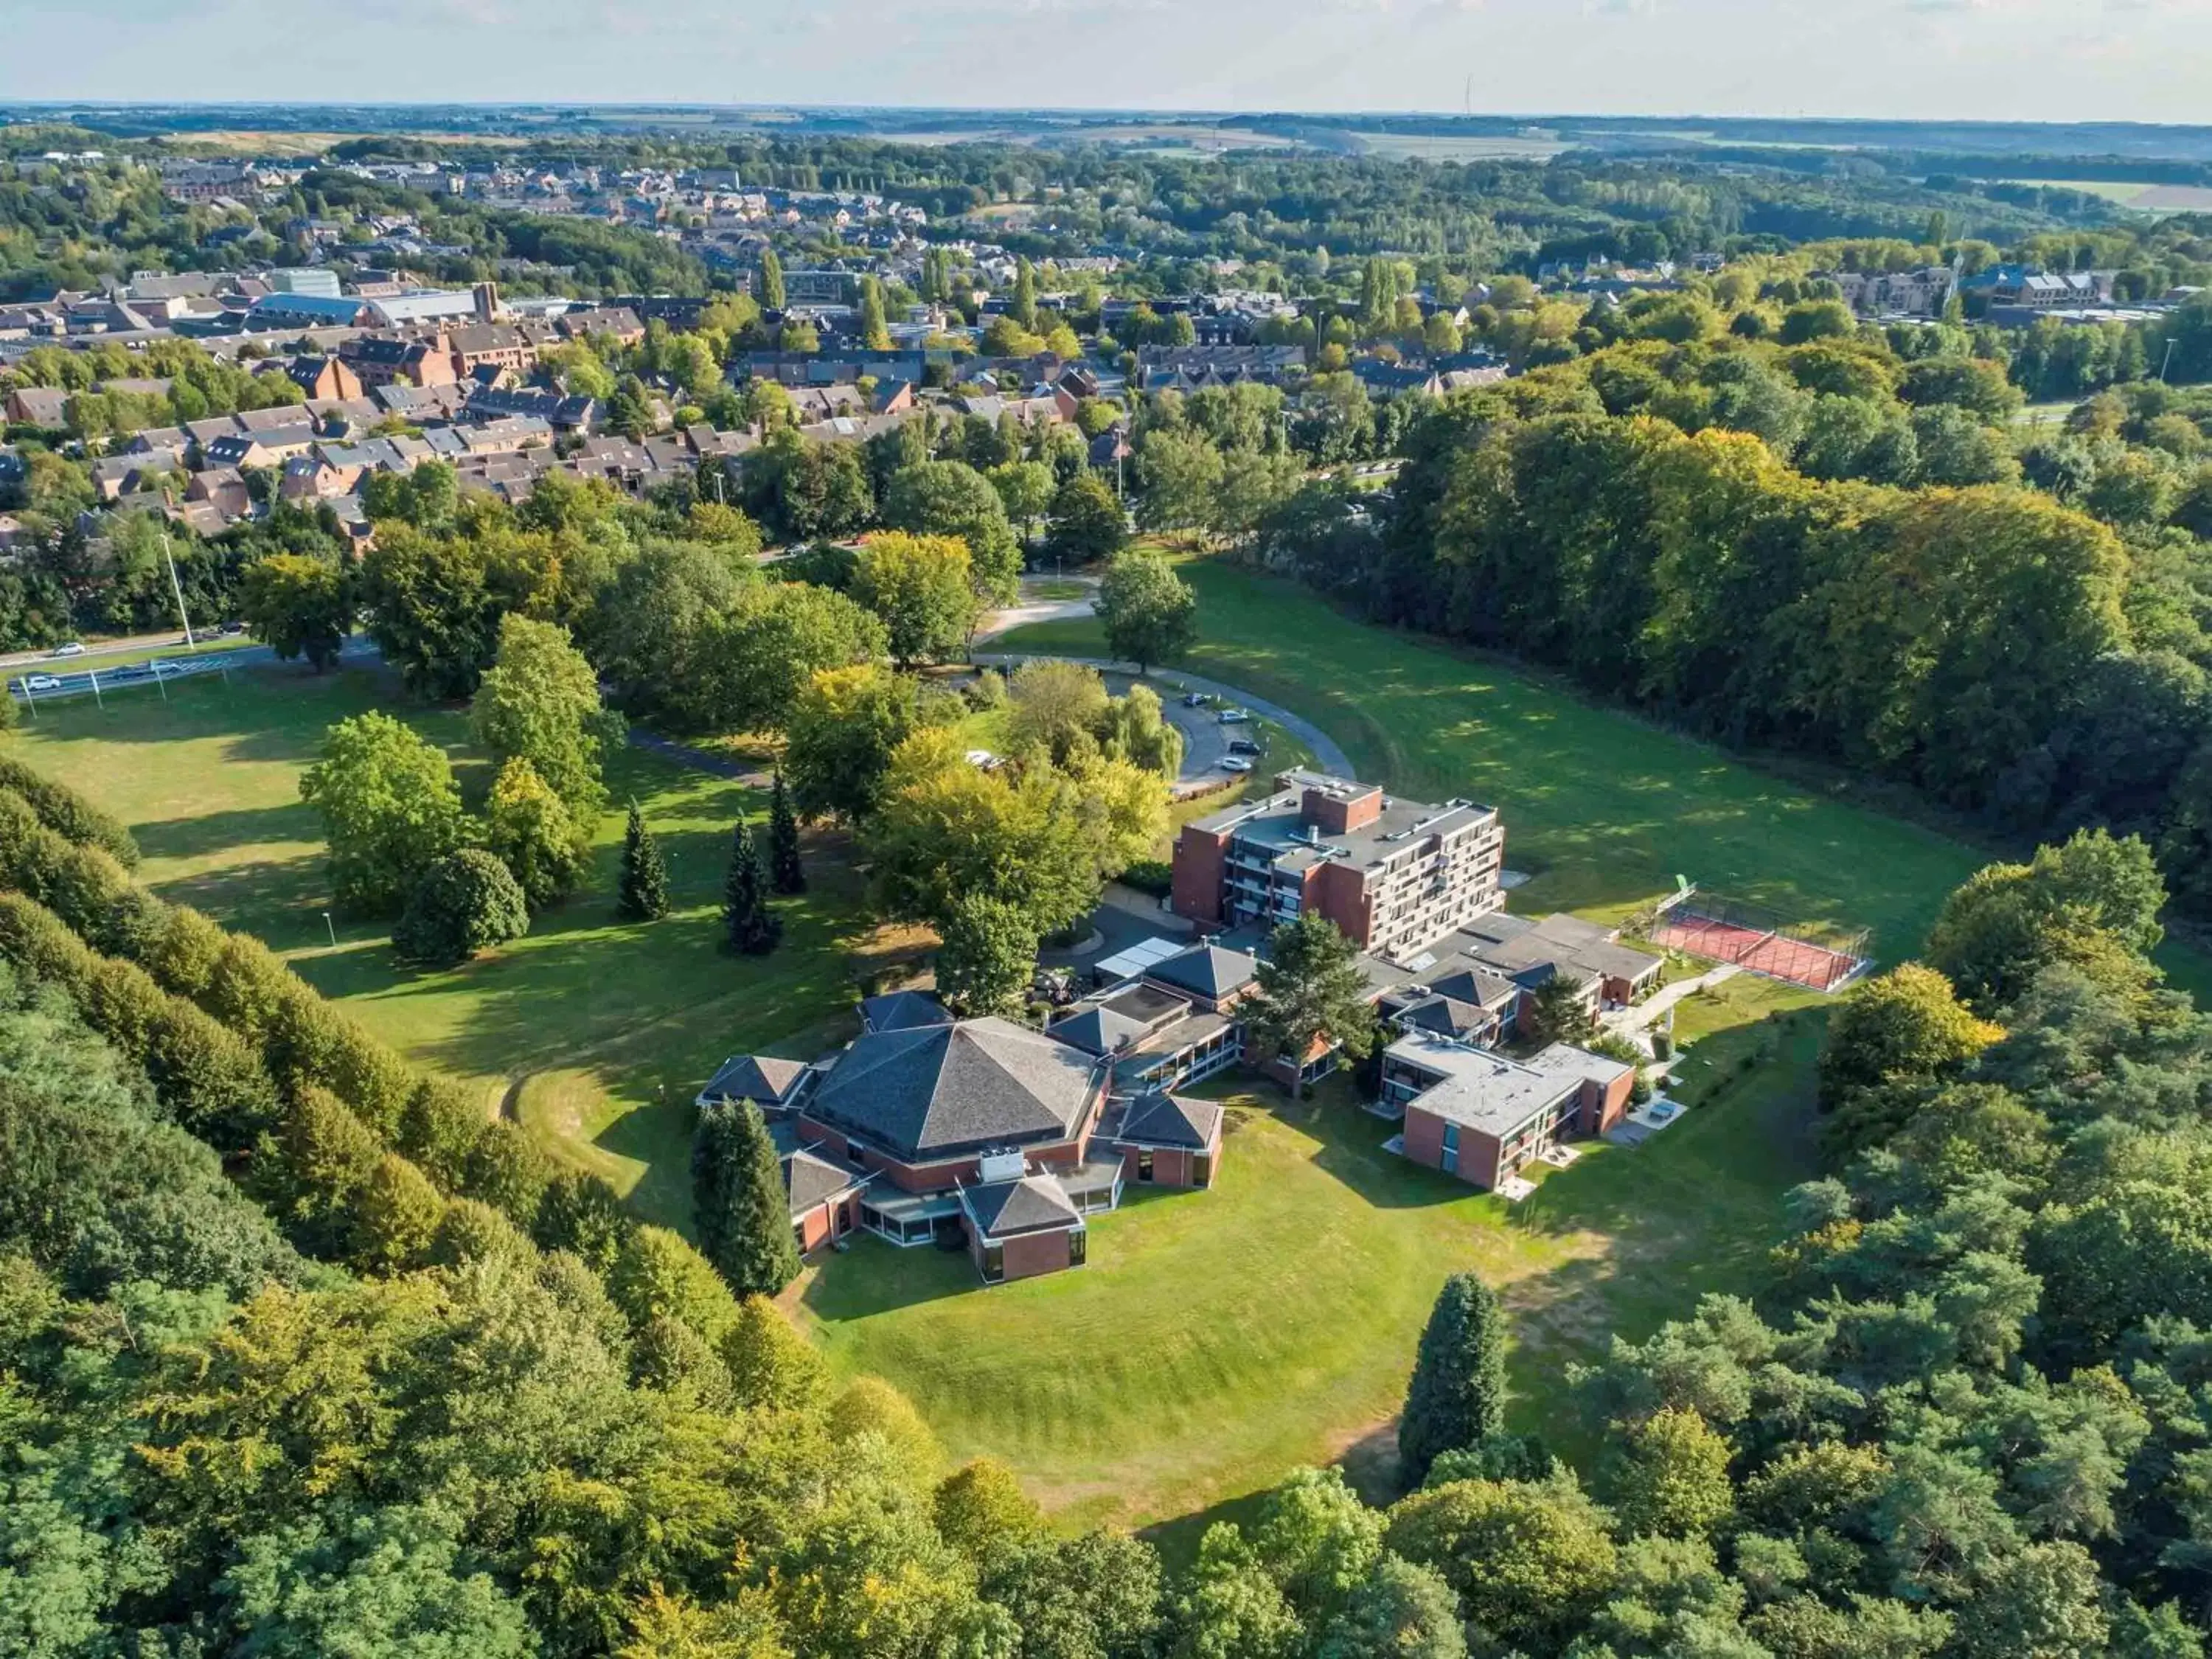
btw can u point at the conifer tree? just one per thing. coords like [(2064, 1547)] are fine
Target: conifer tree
[(750, 927), (1457, 1396), (738, 1197), (787, 873), (643, 895)]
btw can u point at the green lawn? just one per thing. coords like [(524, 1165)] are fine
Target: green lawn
[(1603, 808), (595, 1033), (1217, 1338)]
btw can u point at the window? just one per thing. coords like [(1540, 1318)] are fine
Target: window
[(1077, 1242), (995, 1263), (1450, 1161), (1201, 1169), (1145, 1164)]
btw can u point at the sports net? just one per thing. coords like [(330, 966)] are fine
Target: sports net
[(1757, 940)]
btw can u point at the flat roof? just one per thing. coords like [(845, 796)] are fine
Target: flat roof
[(1129, 963), (1278, 823), (1483, 1090)]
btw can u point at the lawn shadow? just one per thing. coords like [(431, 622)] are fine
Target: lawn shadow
[(873, 1277), (217, 832)]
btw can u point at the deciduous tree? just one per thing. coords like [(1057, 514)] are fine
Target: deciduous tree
[(1150, 614), (390, 807)]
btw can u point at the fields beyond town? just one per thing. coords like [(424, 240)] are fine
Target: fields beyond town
[(1216, 1339)]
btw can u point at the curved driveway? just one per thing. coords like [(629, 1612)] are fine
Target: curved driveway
[(1331, 758)]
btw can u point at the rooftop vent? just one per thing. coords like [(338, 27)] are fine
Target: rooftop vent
[(1002, 1166)]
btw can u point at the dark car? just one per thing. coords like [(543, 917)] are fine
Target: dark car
[(1243, 746)]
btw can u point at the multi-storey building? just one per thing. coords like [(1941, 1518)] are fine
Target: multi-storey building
[(1392, 875)]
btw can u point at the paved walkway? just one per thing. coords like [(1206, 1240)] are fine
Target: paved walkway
[(1331, 758), (1027, 610), (1633, 1022), (702, 760)]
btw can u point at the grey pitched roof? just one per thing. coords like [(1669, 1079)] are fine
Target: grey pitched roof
[(939, 1090), (1482, 987), (810, 1179), (1029, 1204), (1097, 1031), (754, 1077), (1166, 1120), (900, 1010), (1206, 969)]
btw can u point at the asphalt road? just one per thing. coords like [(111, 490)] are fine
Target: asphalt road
[(1171, 682), (73, 677)]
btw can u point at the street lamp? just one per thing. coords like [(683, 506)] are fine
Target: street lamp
[(331, 929), (178, 588)]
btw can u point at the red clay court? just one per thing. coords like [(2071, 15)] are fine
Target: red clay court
[(1772, 952)]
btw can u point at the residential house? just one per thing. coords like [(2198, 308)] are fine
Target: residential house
[(493, 344), (324, 377), (379, 360), (618, 323), (1391, 874), (39, 406), (1473, 1113), (903, 1011)]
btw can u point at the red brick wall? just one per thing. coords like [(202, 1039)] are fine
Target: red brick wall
[(1602, 1106), (1026, 1254), (1200, 857), (1424, 1143), (1333, 816), (1340, 893)]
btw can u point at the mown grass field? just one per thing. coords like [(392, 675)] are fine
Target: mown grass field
[(1216, 1339), (594, 1032), (1603, 810)]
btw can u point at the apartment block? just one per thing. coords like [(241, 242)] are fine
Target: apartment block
[(1391, 874)]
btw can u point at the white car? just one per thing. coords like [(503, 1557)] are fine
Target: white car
[(41, 683), (74, 648), (1234, 716), (1235, 763)]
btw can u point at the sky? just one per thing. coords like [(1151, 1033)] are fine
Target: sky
[(2147, 60)]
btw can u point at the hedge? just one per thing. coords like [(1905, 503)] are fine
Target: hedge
[(68, 814), (248, 1056)]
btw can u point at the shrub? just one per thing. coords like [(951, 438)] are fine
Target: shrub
[(395, 1217), (68, 814), (438, 1128), (507, 1169), (1153, 876), (467, 902)]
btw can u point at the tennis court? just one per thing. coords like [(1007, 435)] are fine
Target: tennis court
[(1757, 941)]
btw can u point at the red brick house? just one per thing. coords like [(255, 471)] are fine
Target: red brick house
[(1166, 1139), (930, 1111), (1475, 1114)]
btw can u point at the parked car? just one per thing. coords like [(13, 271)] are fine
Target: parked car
[(1245, 746), (1195, 700), (230, 628), (1234, 716), (74, 648), (1235, 763), (42, 683)]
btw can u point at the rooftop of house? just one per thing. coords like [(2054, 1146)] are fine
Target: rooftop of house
[(1119, 1021), (944, 1090), (1205, 970), (1029, 1204), (899, 1010), (1515, 946), (1161, 1119), (1297, 824), (760, 1077), (1480, 1089)]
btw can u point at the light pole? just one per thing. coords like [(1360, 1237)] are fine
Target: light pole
[(331, 929), (178, 588), (2165, 362)]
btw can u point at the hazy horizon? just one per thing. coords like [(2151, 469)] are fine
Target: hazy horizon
[(1990, 60)]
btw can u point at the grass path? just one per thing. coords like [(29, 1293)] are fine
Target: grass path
[(595, 1032)]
